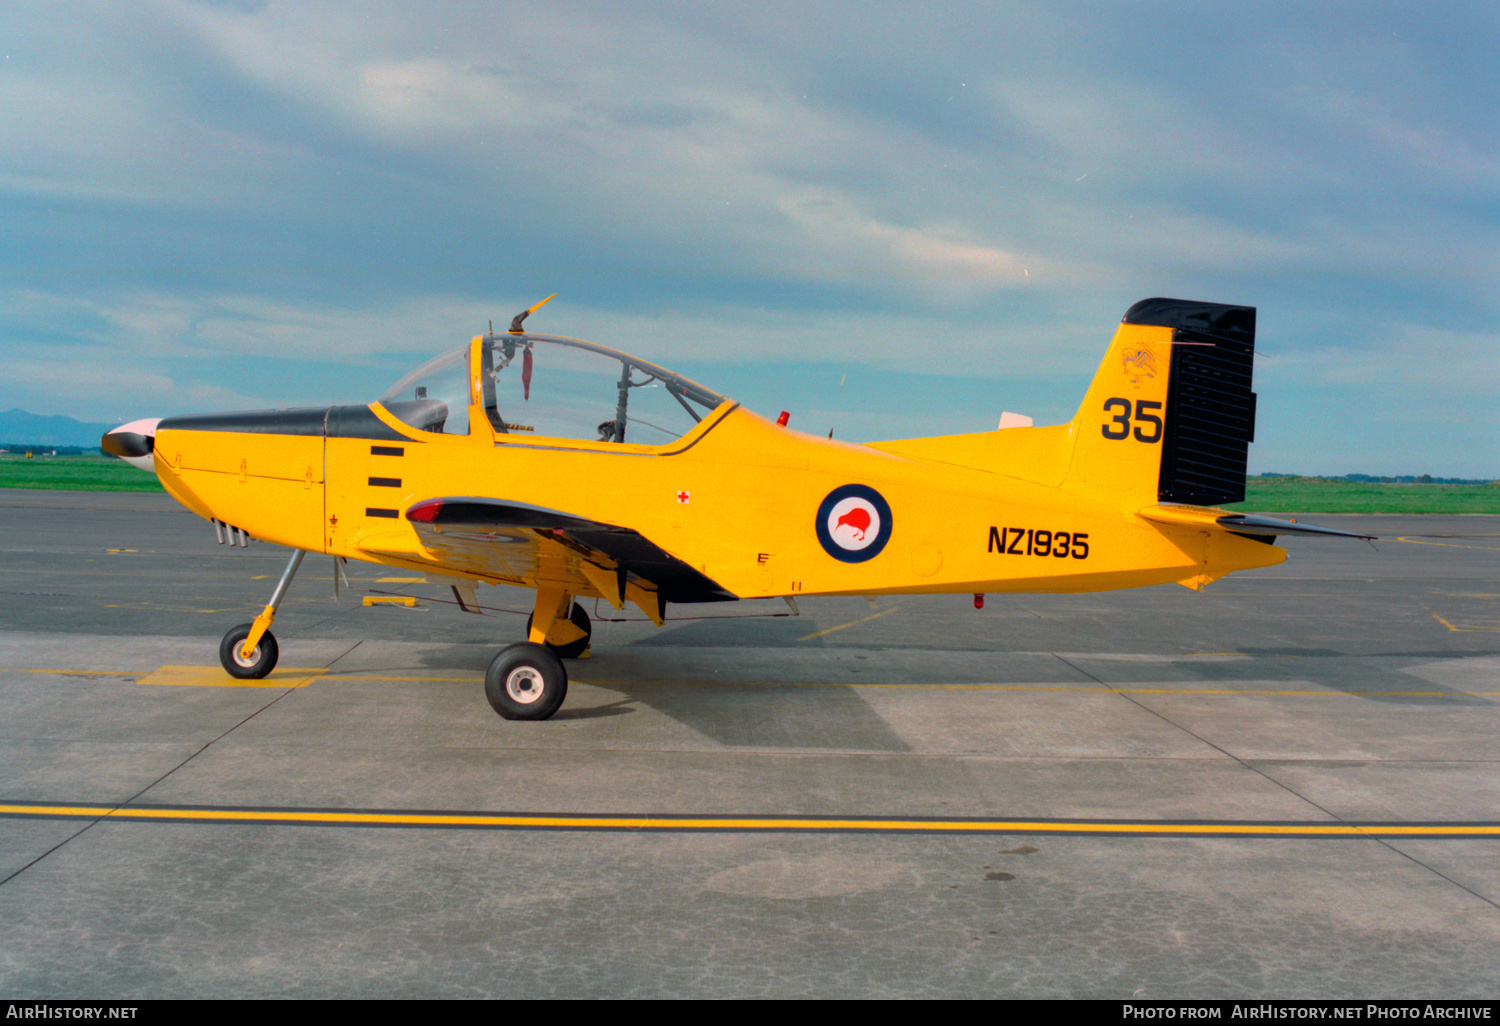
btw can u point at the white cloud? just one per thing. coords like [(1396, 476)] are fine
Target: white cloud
[(215, 182), (1399, 358)]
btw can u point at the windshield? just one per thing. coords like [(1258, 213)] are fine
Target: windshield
[(553, 387), (435, 396)]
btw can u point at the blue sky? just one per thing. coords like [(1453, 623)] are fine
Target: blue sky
[(892, 219)]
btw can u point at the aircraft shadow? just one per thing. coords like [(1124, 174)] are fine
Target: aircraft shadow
[(736, 632), (737, 715), (833, 718), (1376, 679)]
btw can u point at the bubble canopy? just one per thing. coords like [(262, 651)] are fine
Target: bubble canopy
[(553, 387)]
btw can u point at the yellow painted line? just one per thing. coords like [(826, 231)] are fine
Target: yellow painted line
[(1473, 626), (286, 677), (1076, 688), (852, 623), (688, 824), (1447, 545), (149, 573), (164, 609), (215, 677), (76, 673), (334, 676), (400, 580)]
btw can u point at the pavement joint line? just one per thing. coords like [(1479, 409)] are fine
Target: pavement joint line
[(852, 623), (689, 823)]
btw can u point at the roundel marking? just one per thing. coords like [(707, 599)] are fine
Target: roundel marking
[(853, 523)]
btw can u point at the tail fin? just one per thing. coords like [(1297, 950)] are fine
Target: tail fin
[(1170, 416)]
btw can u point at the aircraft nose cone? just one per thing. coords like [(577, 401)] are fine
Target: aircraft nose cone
[(135, 443)]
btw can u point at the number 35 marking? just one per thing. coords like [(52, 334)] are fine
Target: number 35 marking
[(1119, 425)]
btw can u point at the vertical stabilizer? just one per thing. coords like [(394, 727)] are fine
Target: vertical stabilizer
[(1170, 415)]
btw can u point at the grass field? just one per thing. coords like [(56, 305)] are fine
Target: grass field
[(76, 473), (1333, 495), (1262, 494)]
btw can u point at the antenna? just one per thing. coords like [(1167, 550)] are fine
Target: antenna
[(515, 325)]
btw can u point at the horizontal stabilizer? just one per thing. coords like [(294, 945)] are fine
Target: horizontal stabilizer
[(1240, 523), (1247, 524)]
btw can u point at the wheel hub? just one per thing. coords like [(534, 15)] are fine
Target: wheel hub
[(524, 685)]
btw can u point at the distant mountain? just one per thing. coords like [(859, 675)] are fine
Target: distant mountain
[(17, 427)]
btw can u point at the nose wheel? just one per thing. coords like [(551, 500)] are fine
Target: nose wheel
[(261, 661)]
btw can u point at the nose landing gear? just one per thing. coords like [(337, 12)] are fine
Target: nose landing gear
[(249, 651)]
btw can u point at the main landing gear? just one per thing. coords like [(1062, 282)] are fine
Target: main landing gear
[(249, 651), (571, 649), (527, 681)]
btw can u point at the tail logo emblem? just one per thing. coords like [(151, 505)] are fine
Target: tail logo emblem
[(1138, 364), (853, 523)]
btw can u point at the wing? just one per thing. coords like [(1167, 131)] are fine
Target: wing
[(531, 545)]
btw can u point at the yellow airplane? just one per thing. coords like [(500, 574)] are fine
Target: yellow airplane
[(583, 472)]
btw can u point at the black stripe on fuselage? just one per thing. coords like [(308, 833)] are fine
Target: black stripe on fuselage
[(332, 421), (360, 422), (252, 422)]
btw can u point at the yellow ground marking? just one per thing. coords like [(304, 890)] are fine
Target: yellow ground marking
[(1074, 688), (1485, 626), (163, 609), (852, 623), (287, 677), (389, 600), (48, 572), (1447, 545), (334, 676), (76, 673), (542, 821), (122, 550), (1469, 626), (215, 677), (400, 580)]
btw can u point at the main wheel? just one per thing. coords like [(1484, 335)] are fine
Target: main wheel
[(261, 662), (573, 649), (526, 682)]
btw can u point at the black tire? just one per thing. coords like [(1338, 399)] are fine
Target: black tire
[(261, 662), (526, 682), (573, 649)]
